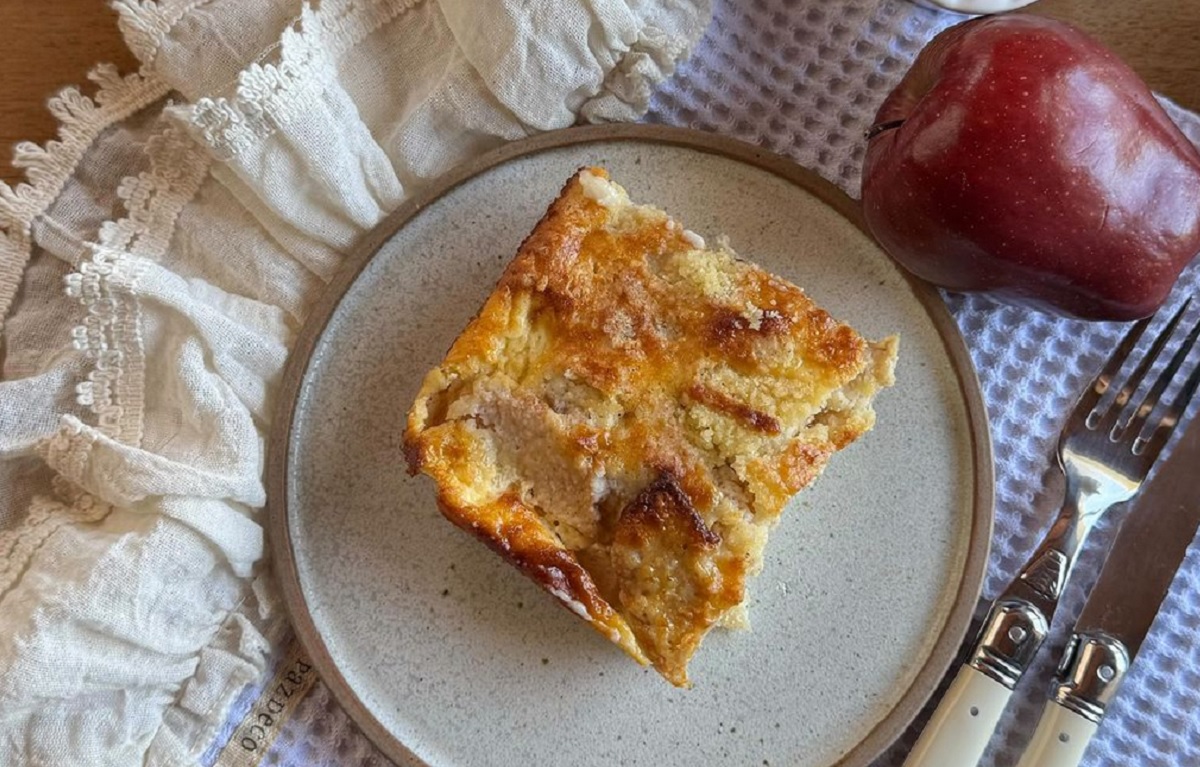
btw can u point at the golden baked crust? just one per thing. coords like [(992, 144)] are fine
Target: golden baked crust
[(629, 412)]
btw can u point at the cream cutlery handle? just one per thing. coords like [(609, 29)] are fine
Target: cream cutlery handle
[(1060, 740), (963, 723)]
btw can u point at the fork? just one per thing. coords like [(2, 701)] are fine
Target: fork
[(1105, 457)]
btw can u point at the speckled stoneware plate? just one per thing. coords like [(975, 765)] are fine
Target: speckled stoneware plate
[(446, 656)]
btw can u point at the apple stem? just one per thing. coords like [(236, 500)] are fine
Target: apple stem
[(881, 127)]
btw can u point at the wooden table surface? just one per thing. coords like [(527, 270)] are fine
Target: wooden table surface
[(54, 45)]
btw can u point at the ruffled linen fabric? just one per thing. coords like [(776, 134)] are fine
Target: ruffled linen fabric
[(194, 211), (153, 273)]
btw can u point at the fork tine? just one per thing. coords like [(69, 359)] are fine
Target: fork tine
[(1091, 396), (1112, 415), (1152, 445), (1150, 401)]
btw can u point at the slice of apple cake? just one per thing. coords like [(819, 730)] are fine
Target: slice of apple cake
[(629, 412)]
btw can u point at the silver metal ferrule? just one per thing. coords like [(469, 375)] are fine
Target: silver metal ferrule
[(1014, 631), (1092, 669)]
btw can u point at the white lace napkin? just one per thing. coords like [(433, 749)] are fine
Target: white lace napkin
[(193, 212)]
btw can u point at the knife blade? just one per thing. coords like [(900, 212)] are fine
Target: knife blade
[(1148, 549), (1135, 579)]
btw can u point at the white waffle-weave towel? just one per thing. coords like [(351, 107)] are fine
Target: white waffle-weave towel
[(193, 211)]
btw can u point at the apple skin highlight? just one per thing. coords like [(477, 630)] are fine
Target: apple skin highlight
[(1021, 158)]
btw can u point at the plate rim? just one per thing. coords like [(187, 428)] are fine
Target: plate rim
[(279, 540)]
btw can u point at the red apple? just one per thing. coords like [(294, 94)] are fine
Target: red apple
[(1022, 158)]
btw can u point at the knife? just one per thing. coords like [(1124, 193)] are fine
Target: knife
[(1137, 574)]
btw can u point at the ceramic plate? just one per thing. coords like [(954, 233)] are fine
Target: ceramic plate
[(446, 656)]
